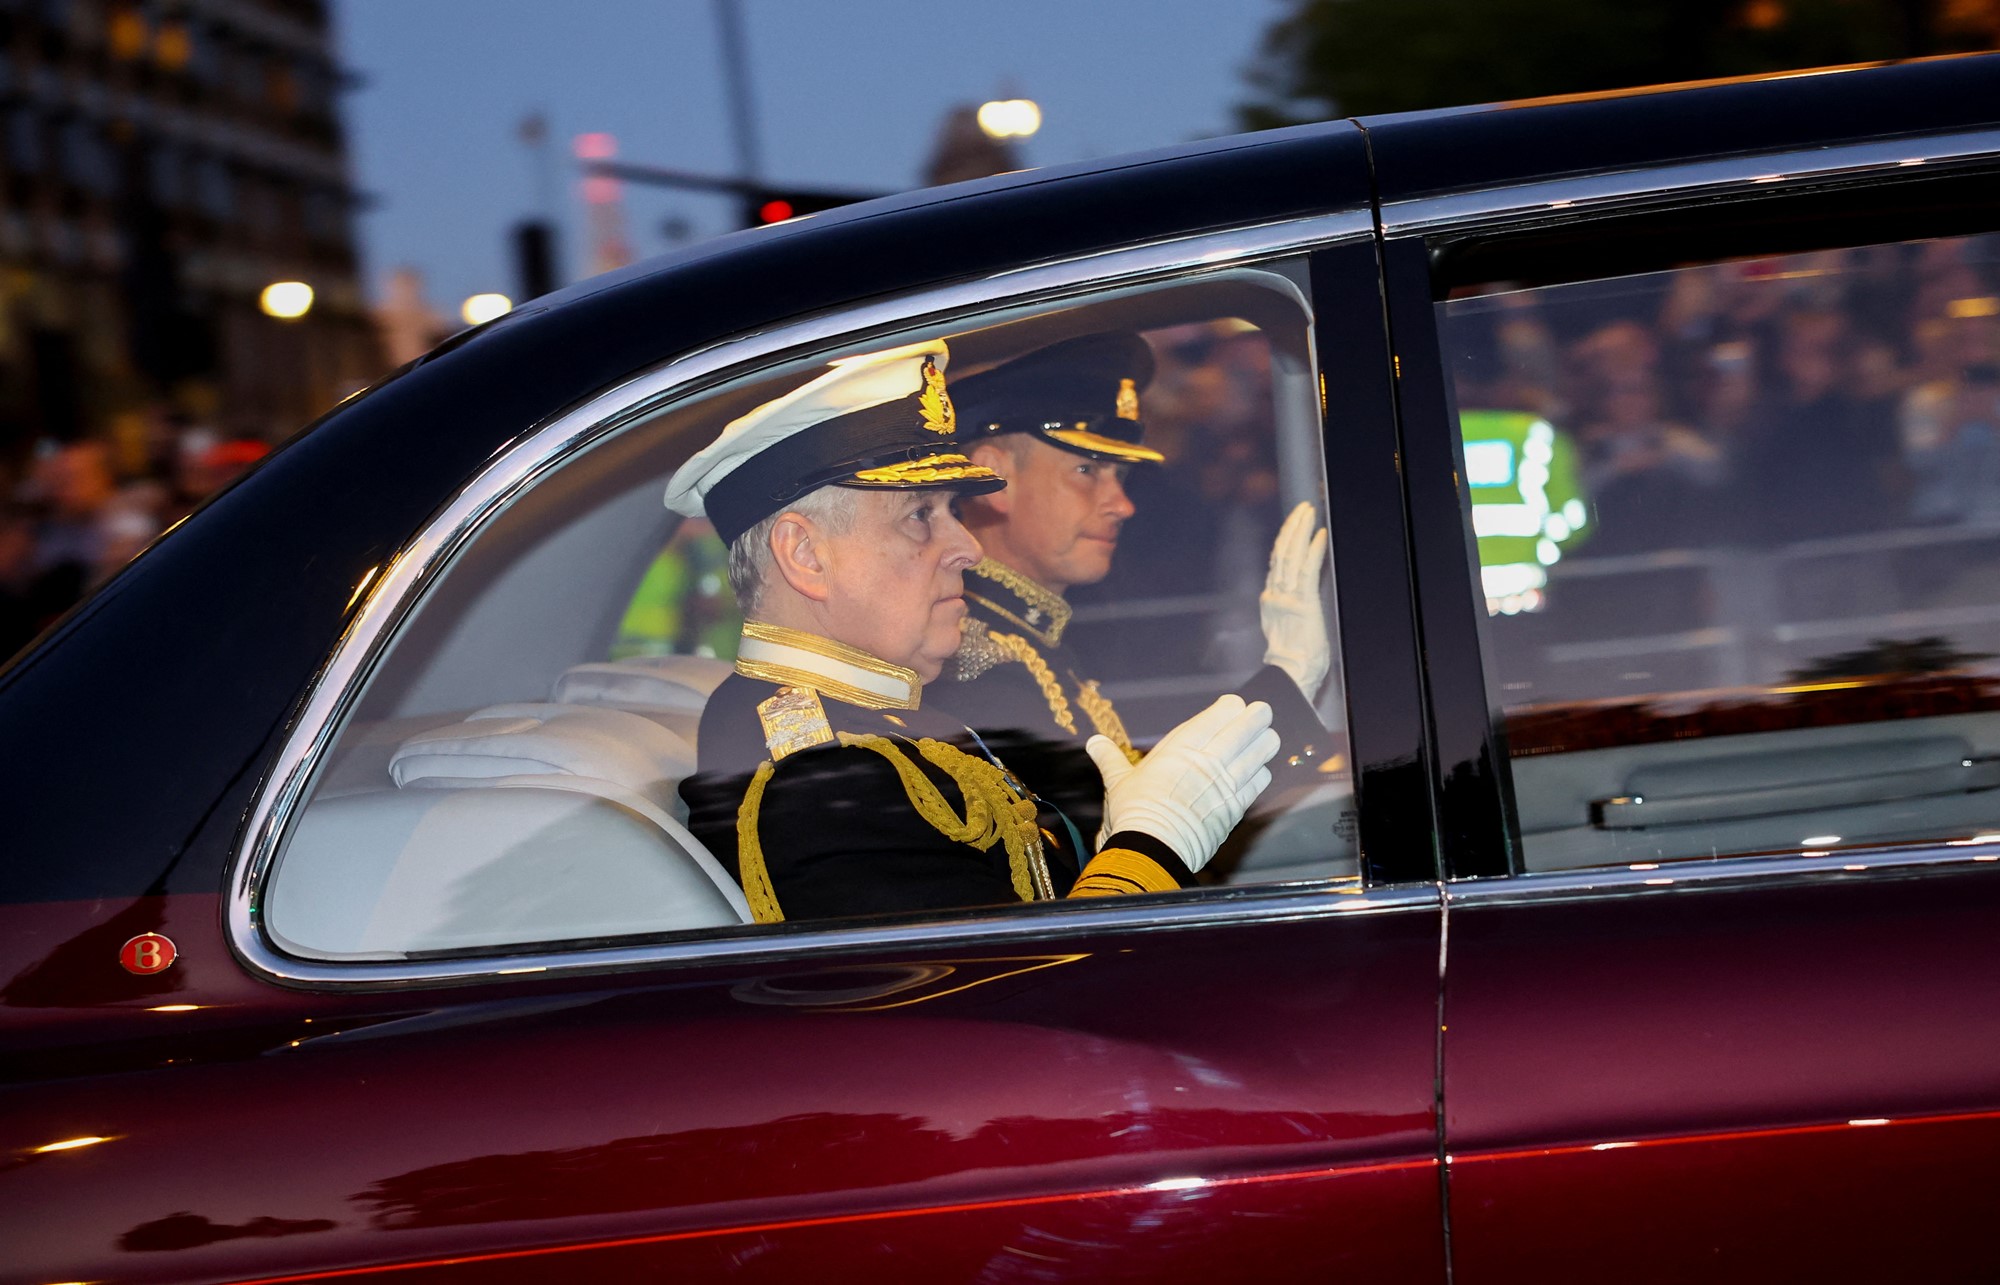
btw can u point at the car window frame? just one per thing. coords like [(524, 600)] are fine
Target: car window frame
[(1421, 237), (393, 590)]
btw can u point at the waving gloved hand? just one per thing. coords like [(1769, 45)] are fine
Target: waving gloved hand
[(1293, 617), (1194, 786)]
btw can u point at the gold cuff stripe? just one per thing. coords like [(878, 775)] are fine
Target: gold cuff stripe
[(1119, 871)]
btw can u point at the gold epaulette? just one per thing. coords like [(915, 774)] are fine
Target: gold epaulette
[(793, 720)]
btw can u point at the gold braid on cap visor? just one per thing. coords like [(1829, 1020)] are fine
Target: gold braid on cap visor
[(931, 468)]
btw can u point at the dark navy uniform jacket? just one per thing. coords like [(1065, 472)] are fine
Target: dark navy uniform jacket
[(840, 835)]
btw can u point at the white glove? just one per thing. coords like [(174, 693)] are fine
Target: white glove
[(1293, 617), (1194, 786)]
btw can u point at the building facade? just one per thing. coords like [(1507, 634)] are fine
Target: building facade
[(161, 162)]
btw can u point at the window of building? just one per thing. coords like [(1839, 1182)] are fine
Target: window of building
[(26, 152), (217, 189), (1739, 529), (511, 773)]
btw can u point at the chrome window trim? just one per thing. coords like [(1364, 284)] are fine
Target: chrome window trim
[(1676, 183), (389, 593), (1723, 874)]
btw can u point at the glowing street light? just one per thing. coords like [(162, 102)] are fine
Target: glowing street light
[(287, 300), (1009, 118), (482, 308)]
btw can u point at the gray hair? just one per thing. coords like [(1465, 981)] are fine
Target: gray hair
[(833, 507)]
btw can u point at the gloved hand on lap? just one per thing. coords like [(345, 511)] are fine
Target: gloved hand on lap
[(1195, 785)]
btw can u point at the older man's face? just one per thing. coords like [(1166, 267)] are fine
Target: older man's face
[(896, 578)]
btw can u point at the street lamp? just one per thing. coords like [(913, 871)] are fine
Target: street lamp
[(1009, 118), (482, 308), (286, 300)]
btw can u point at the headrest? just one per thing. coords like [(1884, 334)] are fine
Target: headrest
[(675, 684), (514, 740)]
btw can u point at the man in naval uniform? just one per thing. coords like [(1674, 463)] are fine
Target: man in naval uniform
[(1062, 425), (822, 782)]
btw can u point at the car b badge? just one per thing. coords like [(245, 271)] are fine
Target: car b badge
[(146, 954)]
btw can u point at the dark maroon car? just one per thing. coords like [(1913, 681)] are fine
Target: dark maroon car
[(1639, 928)]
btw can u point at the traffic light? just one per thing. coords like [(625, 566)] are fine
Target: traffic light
[(764, 206), (535, 258)]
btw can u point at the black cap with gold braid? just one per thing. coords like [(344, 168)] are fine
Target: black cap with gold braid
[(1081, 394), (882, 421)]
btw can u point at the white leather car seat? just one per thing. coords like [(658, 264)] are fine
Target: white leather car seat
[(522, 824)]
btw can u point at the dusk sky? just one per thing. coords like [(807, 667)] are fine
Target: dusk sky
[(850, 94)]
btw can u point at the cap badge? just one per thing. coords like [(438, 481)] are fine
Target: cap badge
[(1128, 399), (935, 403)]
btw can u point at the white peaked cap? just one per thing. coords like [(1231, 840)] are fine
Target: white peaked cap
[(852, 384)]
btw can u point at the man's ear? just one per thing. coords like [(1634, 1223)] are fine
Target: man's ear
[(1001, 460), (799, 555)]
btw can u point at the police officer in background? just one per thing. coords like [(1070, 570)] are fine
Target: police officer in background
[(822, 781), (1062, 425)]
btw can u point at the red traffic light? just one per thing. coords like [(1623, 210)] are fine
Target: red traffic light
[(774, 211)]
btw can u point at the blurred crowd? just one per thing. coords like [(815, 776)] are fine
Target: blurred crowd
[(1205, 519), (72, 513), (1763, 401)]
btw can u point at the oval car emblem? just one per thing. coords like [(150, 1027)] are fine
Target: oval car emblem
[(146, 954)]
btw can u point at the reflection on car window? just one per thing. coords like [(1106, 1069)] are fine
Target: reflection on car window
[(683, 606), (856, 662), (1739, 530)]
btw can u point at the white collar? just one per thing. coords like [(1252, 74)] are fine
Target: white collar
[(791, 656)]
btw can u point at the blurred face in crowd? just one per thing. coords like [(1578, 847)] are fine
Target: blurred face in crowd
[(1058, 520), (887, 577), (1812, 353), (76, 481)]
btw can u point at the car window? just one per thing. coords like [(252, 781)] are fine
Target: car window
[(1738, 526), (528, 763)]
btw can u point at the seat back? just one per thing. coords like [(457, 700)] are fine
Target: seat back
[(522, 824)]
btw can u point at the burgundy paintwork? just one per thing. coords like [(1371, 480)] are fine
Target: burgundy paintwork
[(1786, 1083), (1000, 1114)]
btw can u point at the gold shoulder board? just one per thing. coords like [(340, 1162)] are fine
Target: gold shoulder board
[(794, 720)]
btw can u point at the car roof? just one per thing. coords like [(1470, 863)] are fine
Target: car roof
[(1420, 154)]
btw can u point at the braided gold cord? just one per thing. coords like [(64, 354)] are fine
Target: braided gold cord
[(1097, 708), (992, 810), (757, 888), (1018, 648), (993, 813)]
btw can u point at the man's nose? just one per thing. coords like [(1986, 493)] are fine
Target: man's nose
[(1116, 502), (962, 548)]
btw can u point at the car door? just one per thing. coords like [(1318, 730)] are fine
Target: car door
[(1699, 451), (1234, 1081)]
